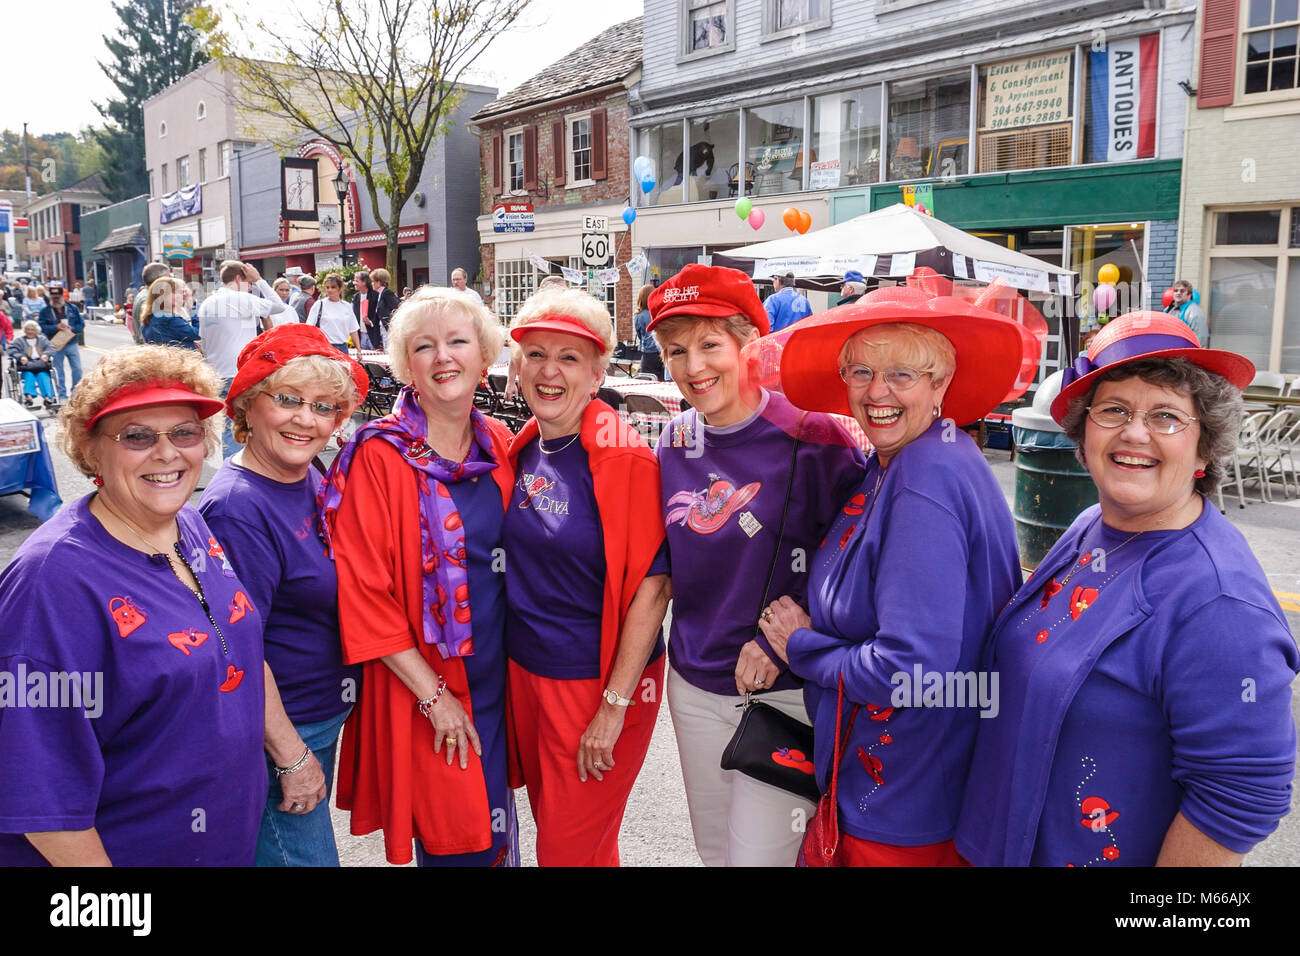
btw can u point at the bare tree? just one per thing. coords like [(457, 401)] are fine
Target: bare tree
[(379, 79)]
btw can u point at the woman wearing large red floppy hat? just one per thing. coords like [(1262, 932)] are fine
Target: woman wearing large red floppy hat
[(908, 582), (750, 484), (1146, 666)]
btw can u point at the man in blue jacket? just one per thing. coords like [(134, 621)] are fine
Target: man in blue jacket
[(59, 316), (785, 306)]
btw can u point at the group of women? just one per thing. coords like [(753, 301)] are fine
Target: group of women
[(480, 611)]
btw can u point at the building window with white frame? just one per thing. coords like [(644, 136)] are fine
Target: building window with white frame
[(580, 149), (201, 111), (223, 160), (515, 283), (162, 130), (708, 26), (182, 172), (783, 15), (1271, 33), (1253, 303), (203, 165), (515, 161)]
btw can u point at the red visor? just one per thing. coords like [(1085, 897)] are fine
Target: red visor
[(558, 322), (156, 392)]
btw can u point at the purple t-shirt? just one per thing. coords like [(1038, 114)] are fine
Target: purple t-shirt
[(167, 764), (1156, 680), (723, 491), (904, 593), (269, 532), (555, 565)]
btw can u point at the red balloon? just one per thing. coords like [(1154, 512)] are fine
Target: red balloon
[(1167, 297), (790, 216)]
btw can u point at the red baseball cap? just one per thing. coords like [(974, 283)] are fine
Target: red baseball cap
[(712, 292), (559, 322), (1145, 335), (277, 346), (156, 392)]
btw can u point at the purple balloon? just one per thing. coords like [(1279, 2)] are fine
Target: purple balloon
[(1103, 297)]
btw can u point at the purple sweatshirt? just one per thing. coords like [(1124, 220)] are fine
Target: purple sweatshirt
[(907, 585), (723, 490)]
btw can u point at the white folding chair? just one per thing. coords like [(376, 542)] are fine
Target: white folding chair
[(1244, 456), (1275, 453), (1271, 383)]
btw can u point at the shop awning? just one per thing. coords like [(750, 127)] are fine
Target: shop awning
[(890, 243), (123, 238)]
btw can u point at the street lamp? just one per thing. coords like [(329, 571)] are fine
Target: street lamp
[(341, 190)]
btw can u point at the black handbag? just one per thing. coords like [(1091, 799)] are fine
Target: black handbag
[(769, 745)]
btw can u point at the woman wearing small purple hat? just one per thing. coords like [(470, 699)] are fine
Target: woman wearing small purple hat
[(1145, 668)]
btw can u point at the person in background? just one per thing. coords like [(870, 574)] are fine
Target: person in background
[(785, 306), (33, 301), (853, 288), (78, 295), (164, 319), (406, 292), (308, 293), (1146, 666), (148, 275), (460, 282), (334, 316), (283, 288), (387, 305), (91, 292), (60, 316), (33, 355), (1190, 311), (652, 361), (364, 304), (291, 391)]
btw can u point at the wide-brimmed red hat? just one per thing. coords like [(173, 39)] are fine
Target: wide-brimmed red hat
[(1145, 335), (712, 292), (156, 392), (275, 347), (989, 350), (559, 322)]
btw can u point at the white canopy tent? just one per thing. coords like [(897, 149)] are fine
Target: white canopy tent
[(890, 243)]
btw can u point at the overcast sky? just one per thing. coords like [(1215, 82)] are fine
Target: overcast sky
[(51, 77)]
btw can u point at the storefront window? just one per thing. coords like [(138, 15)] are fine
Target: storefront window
[(516, 279), (1241, 302), (667, 262), (846, 139), (1242, 308), (1254, 227), (1092, 247), (1024, 114), (714, 157), (929, 122), (774, 139), (662, 145), (1291, 328), (1119, 115)]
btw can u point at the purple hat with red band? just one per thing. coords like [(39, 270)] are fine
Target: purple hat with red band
[(1145, 335)]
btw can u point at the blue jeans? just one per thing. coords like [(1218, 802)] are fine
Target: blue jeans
[(41, 380), (302, 839), (73, 355), (228, 444)]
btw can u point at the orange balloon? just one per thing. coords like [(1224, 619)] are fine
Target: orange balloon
[(805, 221), (790, 217)]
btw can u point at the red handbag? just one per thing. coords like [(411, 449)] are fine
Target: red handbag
[(821, 842)]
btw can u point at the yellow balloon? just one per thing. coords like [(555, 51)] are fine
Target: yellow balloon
[(1108, 273)]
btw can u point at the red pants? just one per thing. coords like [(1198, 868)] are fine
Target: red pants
[(858, 852), (577, 822)]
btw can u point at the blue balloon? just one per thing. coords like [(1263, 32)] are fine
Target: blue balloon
[(647, 183), (629, 214), (642, 167)]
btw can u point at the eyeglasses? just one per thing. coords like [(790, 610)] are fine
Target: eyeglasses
[(898, 379), (142, 437), (1159, 421), (323, 409)]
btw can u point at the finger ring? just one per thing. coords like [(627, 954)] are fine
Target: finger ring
[(767, 614), (758, 682), (451, 741), (298, 808), (599, 765)]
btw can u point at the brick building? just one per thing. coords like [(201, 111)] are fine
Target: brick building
[(55, 227), (553, 152)]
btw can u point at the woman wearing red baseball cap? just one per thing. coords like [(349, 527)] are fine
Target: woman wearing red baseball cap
[(291, 391), (586, 583), (147, 750), (1146, 666), (920, 559), (750, 485)]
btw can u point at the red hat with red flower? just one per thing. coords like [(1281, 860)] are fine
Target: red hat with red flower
[(274, 348)]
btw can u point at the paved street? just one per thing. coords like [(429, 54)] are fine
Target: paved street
[(656, 829)]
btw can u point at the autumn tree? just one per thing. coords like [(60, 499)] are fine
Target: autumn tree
[(155, 45), (380, 79)]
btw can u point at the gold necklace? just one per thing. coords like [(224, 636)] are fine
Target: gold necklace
[(556, 451), (156, 550), (1065, 580)]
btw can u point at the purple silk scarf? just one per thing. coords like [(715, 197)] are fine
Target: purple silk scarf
[(442, 535)]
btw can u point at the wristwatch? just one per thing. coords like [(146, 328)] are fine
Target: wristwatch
[(611, 697)]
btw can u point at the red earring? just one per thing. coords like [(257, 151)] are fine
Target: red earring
[(99, 482), (1199, 473)]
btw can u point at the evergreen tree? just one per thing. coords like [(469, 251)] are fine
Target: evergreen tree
[(154, 47)]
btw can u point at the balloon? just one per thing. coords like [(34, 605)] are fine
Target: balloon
[(1103, 297), (790, 216), (805, 222), (629, 214), (743, 207), (756, 219), (647, 183), (1167, 297), (642, 167), (1108, 274)]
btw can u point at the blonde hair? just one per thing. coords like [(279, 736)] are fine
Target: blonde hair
[(575, 303), (32, 292), (164, 286), (739, 327), (429, 301), (133, 366), (912, 345), (298, 374)]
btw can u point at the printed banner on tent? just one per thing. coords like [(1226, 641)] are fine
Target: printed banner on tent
[(806, 266), (1017, 276), (1122, 98)]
